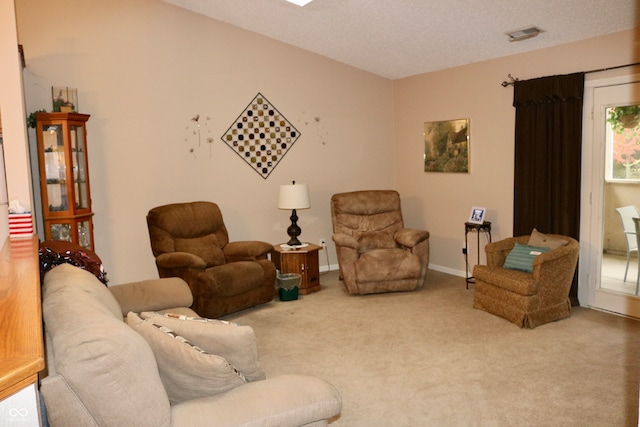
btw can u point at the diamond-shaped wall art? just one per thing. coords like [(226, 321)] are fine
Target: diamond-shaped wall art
[(261, 135)]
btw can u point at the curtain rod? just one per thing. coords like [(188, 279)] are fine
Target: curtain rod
[(611, 68), (511, 80)]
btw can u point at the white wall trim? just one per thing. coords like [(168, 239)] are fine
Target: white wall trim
[(443, 269), (331, 267), (435, 267)]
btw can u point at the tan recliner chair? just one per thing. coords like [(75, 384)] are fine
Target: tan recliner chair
[(190, 241), (527, 299), (375, 252)]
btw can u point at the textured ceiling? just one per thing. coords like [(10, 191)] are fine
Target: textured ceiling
[(401, 38)]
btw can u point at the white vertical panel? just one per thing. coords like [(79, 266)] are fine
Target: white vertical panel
[(4, 204), (21, 408)]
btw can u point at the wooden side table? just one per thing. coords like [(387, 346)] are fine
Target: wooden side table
[(303, 261)]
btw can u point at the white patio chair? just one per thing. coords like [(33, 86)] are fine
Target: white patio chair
[(627, 213)]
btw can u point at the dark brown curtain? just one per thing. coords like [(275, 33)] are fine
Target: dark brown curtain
[(548, 145)]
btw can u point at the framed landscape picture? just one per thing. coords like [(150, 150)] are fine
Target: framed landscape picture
[(446, 146)]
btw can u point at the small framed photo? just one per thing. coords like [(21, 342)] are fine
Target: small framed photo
[(477, 215)]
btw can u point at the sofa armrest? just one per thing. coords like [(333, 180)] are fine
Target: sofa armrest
[(64, 408), (409, 237), (343, 239), (553, 254), (179, 260), (246, 250), (284, 401), (152, 295), (556, 262), (497, 252)]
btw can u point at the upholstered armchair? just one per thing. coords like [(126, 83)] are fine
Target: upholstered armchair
[(375, 252), (190, 240), (527, 298)]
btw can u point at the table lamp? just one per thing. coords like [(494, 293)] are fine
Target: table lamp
[(294, 196)]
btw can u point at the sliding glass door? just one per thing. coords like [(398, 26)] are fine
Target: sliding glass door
[(611, 195)]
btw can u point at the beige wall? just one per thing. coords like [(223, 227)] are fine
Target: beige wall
[(442, 202), (14, 132), (144, 68)]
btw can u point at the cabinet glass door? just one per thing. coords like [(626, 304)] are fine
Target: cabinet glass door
[(55, 168), (84, 233), (61, 231), (79, 167)]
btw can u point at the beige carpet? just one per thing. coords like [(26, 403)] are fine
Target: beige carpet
[(427, 358)]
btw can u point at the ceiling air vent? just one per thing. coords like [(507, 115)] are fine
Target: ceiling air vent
[(527, 33)]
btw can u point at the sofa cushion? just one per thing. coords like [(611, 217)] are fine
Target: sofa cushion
[(236, 343), (387, 265), (186, 371), (284, 400), (206, 247), (106, 366), (234, 278), (521, 257), (542, 240)]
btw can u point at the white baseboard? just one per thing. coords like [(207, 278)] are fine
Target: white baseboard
[(447, 270), (440, 268), (331, 267)]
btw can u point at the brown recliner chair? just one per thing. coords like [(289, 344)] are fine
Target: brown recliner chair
[(375, 252), (190, 240), (528, 299)]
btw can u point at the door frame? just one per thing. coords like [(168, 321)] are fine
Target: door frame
[(592, 202)]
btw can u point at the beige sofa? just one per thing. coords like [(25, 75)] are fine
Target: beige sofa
[(103, 372)]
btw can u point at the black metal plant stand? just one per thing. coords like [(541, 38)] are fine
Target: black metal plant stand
[(485, 227)]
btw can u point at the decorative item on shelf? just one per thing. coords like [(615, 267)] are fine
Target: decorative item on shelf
[(294, 196), (20, 220), (31, 119), (65, 99), (477, 215), (623, 117)]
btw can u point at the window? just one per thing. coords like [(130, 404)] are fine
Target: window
[(623, 143)]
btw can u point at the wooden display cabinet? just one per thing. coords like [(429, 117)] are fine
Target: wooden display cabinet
[(303, 261), (64, 177)]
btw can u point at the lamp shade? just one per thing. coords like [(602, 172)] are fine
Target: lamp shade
[(294, 196)]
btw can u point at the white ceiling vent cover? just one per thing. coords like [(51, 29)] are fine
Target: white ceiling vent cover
[(527, 33), (300, 2)]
